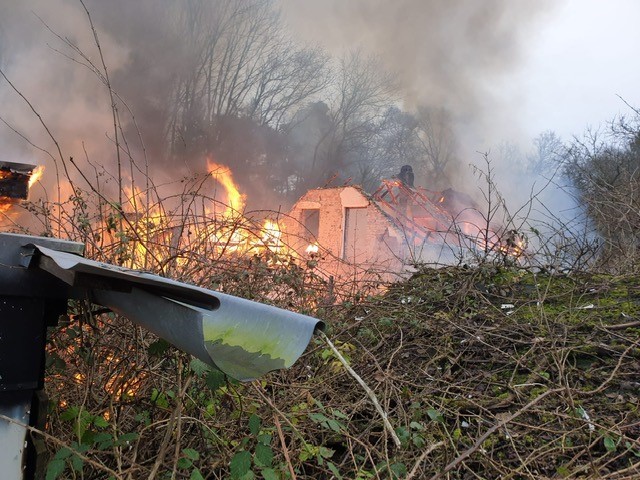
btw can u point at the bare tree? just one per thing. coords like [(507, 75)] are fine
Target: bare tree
[(288, 78), (547, 154), (362, 93), (437, 140), (240, 64)]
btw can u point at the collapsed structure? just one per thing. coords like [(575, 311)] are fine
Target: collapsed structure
[(345, 228)]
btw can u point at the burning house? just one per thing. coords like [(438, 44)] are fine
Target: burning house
[(400, 224)]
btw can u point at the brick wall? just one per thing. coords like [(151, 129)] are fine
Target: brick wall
[(378, 243)]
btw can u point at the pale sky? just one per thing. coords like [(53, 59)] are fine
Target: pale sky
[(583, 54), (573, 57)]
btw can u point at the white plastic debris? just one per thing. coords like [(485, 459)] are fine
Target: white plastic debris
[(587, 307), (583, 413)]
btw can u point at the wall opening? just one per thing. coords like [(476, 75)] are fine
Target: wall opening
[(311, 222)]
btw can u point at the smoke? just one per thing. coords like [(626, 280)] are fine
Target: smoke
[(53, 99), (448, 56), (451, 55), (456, 59)]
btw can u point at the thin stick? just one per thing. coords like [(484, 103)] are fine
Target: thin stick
[(285, 450), (366, 388), (415, 468), (60, 443)]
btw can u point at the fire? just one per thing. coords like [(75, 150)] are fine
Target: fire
[(157, 234), (5, 205), (36, 175), (5, 202), (222, 174), (271, 233), (151, 231), (149, 221)]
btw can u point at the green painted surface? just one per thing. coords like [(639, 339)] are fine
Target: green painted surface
[(241, 364)]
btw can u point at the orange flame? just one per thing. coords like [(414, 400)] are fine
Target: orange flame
[(150, 223), (7, 203), (36, 175), (154, 234), (222, 174)]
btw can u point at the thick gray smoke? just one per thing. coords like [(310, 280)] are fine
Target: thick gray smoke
[(62, 86), (451, 55)]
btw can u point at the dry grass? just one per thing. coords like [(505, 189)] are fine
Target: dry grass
[(548, 388)]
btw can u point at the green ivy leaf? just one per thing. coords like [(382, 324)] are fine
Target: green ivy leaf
[(334, 470), (159, 398), (335, 425), (63, 453), (100, 422), (435, 415), (403, 434), (264, 438), (191, 453), (199, 367), (629, 447), (318, 418), (196, 475), (240, 464), (339, 414), (417, 426), (609, 444), (399, 470), (307, 452), (70, 413), (184, 463), (325, 452), (215, 379), (126, 438), (103, 440), (77, 463), (159, 347)]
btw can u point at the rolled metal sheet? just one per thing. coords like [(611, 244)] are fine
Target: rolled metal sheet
[(243, 339)]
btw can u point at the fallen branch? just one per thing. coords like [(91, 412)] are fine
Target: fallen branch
[(623, 326), (285, 450)]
